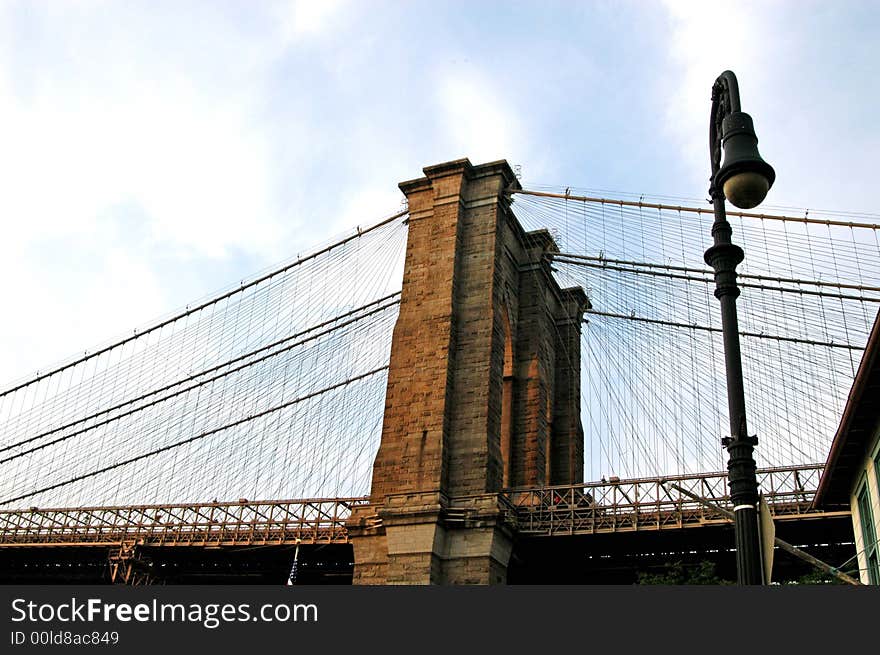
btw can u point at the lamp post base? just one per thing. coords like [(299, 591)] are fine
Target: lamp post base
[(742, 478)]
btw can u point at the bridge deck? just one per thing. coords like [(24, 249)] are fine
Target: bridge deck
[(643, 504)]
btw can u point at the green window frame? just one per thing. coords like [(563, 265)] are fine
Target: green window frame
[(877, 468), (869, 535)]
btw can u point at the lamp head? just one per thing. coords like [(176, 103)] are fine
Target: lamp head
[(744, 176)]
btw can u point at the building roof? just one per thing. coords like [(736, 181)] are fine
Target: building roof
[(857, 425)]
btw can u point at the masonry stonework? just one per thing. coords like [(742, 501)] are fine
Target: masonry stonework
[(483, 385)]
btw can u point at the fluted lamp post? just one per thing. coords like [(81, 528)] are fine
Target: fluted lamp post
[(744, 179)]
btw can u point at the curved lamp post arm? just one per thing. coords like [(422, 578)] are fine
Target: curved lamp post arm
[(744, 178), (725, 99)]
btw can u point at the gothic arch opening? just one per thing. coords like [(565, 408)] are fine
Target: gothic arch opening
[(507, 402)]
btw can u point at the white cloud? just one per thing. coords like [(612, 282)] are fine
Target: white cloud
[(149, 145), (307, 18), (197, 170), (476, 121), (706, 39), (122, 165), (796, 65)]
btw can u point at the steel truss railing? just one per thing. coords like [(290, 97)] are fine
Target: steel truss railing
[(648, 504), (317, 521), (598, 507)]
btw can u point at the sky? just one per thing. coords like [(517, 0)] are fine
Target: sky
[(153, 152)]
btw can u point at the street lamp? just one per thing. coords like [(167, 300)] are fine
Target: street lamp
[(744, 178)]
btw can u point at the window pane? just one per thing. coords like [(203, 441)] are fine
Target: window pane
[(868, 534), (877, 471)]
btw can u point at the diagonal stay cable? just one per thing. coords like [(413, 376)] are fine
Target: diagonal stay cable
[(565, 256), (202, 435), (176, 317), (691, 278), (179, 392), (706, 328), (217, 367), (697, 210)]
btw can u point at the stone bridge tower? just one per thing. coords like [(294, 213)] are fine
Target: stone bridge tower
[(483, 386)]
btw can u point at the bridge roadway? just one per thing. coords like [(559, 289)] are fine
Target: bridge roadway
[(611, 506)]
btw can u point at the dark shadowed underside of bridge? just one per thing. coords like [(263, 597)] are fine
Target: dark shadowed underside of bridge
[(162, 456)]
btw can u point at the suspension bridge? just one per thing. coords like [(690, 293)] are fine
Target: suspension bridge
[(490, 384)]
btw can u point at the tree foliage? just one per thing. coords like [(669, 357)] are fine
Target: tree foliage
[(701, 573)]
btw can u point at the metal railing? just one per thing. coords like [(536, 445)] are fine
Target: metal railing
[(647, 504), (595, 507), (266, 522)]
